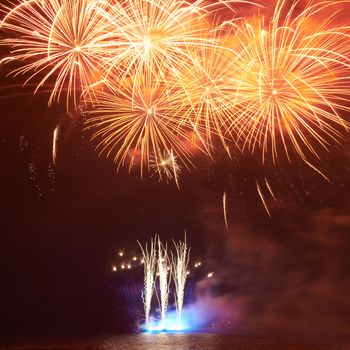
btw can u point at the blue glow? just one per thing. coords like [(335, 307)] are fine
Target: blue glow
[(170, 324)]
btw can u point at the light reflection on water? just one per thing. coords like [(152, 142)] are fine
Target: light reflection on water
[(167, 341)]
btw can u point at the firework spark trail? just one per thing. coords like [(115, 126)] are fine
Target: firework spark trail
[(224, 206), (179, 271), (270, 190), (318, 171), (164, 279), (54, 145), (291, 81), (261, 195), (176, 170), (150, 265), (55, 41)]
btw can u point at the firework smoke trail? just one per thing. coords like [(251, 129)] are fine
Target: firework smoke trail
[(164, 279), (150, 265), (291, 80), (179, 272)]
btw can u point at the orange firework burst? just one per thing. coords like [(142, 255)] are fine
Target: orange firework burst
[(55, 40), (291, 81), (139, 120)]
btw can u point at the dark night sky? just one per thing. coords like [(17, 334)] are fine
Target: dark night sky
[(59, 236), (61, 228)]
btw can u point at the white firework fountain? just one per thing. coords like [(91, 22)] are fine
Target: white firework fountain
[(179, 270), (157, 263), (149, 263), (164, 279)]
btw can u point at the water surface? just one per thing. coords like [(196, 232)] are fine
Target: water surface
[(168, 341)]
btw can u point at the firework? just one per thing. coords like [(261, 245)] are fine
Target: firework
[(149, 263), (154, 36), (56, 41), (205, 87), (137, 122), (291, 81), (164, 279), (167, 166), (179, 271)]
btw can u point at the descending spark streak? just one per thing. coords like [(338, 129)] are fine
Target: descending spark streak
[(318, 171), (291, 80), (149, 264), (164, 279), (179, 271), (262, 198), (270, 189), (224, 205), (54, 145), (176, 171)]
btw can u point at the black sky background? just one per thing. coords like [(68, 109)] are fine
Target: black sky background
[(62, 226)]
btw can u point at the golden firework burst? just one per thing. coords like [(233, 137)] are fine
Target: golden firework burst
[(205, 87), (290, 82), (138, 121), (55, 40), (155, 36)]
